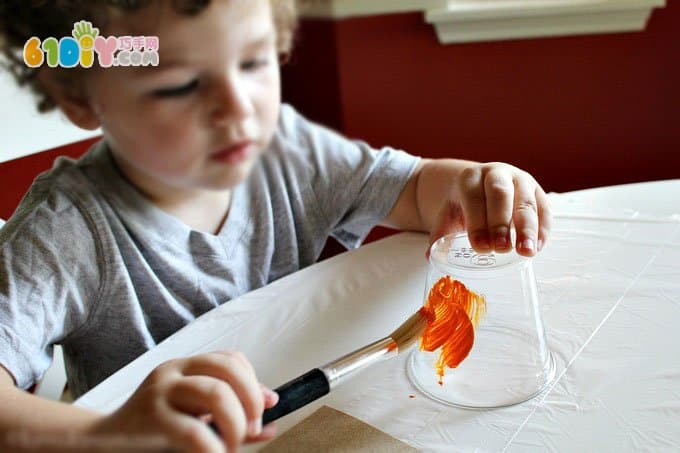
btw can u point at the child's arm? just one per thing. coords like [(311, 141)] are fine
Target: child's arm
[(24, 417), (446, 195), (162, 413)]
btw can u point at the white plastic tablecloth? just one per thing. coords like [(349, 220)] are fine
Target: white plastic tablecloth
[(609, 283)]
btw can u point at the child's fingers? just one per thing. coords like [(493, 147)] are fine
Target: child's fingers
[(473, 202), (545, 217), (234, 369), (238, 356), (268, 432), (271, 398), (194, 436), (525, 215), (185, 433), (197, 395), (499, 193)]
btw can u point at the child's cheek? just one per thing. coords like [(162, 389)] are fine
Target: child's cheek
[(179, 144)]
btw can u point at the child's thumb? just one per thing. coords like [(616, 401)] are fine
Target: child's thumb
[(450, 220)]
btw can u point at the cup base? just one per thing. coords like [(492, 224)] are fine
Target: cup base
[(476, 383)]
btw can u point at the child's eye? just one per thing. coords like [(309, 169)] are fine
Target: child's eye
[(176, 91), (252, 65)]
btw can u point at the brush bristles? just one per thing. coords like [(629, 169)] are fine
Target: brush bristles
[(410, 331)]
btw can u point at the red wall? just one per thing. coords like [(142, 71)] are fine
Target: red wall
[(575, 111)]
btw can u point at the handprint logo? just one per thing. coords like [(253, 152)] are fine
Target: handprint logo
[(85, 34)]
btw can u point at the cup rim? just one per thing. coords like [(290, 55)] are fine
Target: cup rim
[(516, 261)]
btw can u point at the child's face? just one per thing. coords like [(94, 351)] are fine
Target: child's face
[(217, 86)]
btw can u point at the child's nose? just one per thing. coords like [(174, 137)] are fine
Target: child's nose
[(230, 102)]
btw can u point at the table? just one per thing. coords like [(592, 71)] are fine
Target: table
[(609, 284)]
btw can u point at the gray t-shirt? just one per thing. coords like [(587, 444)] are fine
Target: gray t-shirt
[(87, 262)]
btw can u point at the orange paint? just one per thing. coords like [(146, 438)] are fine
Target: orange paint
[(452, 312)]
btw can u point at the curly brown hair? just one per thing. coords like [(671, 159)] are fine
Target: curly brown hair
[(22, 19)]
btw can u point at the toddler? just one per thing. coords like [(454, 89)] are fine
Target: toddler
[(203, 187)]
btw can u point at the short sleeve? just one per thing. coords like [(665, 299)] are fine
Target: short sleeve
[(355, 185), (49, 279)]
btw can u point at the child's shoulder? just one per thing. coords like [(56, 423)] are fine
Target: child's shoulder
[(291, 132), (57, 206), (306, 143), (301, 134)]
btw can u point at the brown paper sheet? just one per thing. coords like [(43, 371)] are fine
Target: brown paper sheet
[(329, 430)]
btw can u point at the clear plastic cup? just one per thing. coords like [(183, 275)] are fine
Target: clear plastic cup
[(509, 361)]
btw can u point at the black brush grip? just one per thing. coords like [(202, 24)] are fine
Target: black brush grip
[(297, 393)]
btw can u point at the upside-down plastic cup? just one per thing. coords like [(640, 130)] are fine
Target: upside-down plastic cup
[(507, 360)]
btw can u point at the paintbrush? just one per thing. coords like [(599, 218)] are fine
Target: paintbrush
[(320, 381)]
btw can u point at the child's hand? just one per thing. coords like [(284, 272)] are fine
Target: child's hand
[(486, 198), (171, 407)]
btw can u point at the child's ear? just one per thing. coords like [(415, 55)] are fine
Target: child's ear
[(71, 97)]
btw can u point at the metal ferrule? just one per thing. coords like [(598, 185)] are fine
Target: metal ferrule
[(338, 370)]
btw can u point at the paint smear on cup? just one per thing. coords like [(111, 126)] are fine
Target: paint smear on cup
[(453, 313)]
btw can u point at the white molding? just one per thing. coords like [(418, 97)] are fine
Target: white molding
[(487, 20), (341, 9), (495, 20)]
